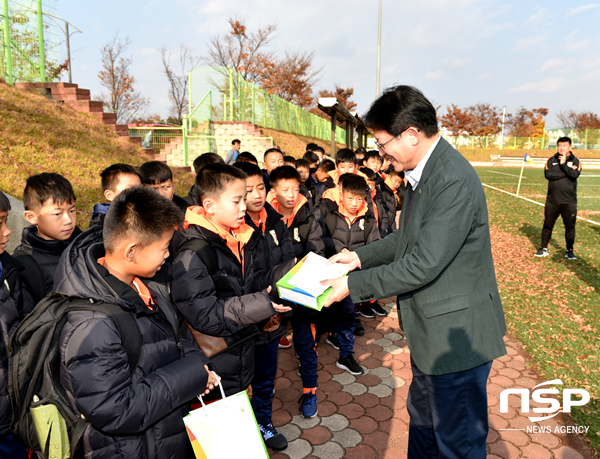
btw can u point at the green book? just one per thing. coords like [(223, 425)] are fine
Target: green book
[(301, 284)]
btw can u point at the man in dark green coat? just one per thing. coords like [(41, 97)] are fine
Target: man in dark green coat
[(439, 264)]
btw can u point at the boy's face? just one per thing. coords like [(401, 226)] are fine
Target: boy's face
[(304, 173), (346, 168), (386, 163), (286, 192), (256, 193), (371, 184), (396, 181), (125, 181), (4, 231), (359, 157), (273, 161), (229, 209), (373, 164), (54, 221), (237, 146), (352, 202), (165, 189), (150, 258)]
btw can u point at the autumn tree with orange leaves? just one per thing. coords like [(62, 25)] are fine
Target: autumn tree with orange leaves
[(245, 51), (527, 123), (290, 76), (116, 77)]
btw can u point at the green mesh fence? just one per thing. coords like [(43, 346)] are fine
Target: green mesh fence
[(220, 94), (19, 34)]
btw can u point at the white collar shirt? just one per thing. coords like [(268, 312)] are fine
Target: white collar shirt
[(414, 175)]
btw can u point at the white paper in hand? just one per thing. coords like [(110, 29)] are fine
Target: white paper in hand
[(313, 271)]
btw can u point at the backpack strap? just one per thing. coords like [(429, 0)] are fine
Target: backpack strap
[(205, 252), (330, 222), (224, 287), (304, 229), (33, 277), (369, 223), (126, 325)]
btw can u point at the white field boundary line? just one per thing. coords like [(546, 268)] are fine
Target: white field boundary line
[(535, 202), (504, 173)]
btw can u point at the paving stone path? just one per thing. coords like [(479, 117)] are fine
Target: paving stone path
[(365, 417)]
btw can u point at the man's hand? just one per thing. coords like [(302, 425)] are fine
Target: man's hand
[(345, 257), (339, 289), (563, 159), (213, 380)]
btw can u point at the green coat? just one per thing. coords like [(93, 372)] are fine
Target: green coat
[(442, 270)]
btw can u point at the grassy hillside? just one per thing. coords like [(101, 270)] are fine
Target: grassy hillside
[(295, 145), (39, 135)]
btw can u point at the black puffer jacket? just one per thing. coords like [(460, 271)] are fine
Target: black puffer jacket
[(276, 248), (13, 273), (346, 235), (9, 320), (196, 299), (305, 223), (388, 200), (138, 416), (46, 253)]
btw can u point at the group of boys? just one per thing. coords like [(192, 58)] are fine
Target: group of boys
[(198, 275)]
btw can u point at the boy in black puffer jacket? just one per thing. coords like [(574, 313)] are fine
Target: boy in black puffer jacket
[(307, 237), (114, 179), (9, 320), (13, 269), (277, 250), (239, 300), (347, 225), (137, 414), (49, 202)]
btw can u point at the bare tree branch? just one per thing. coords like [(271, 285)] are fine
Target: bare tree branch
[(115, 76)]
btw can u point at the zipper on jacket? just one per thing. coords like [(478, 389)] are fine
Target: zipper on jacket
[(175, 335)]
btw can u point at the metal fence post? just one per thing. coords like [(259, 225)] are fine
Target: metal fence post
[(230, 94), (586, 132), (41, 42), (253, 104), (185, 140), (7, 44), (543, 138)]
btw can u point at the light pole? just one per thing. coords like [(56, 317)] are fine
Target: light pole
[(502, 135), (378, 52)]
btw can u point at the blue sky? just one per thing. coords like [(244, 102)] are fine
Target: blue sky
[(456, 51)]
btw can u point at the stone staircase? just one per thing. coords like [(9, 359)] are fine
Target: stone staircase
[(215, 137), (80, 99), (252, 137)]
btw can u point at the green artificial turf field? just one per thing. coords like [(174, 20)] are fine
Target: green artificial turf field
[(552, 305)]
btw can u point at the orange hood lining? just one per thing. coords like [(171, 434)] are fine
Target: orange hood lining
[(235, 240), (300, 201)]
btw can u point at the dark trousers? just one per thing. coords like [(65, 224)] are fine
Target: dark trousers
[(340, 318), (306, 348), (265, 369), (448, 414), (11, 449), (568, 212)]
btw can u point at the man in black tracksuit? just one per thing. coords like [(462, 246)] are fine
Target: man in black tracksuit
[(561, 171)]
